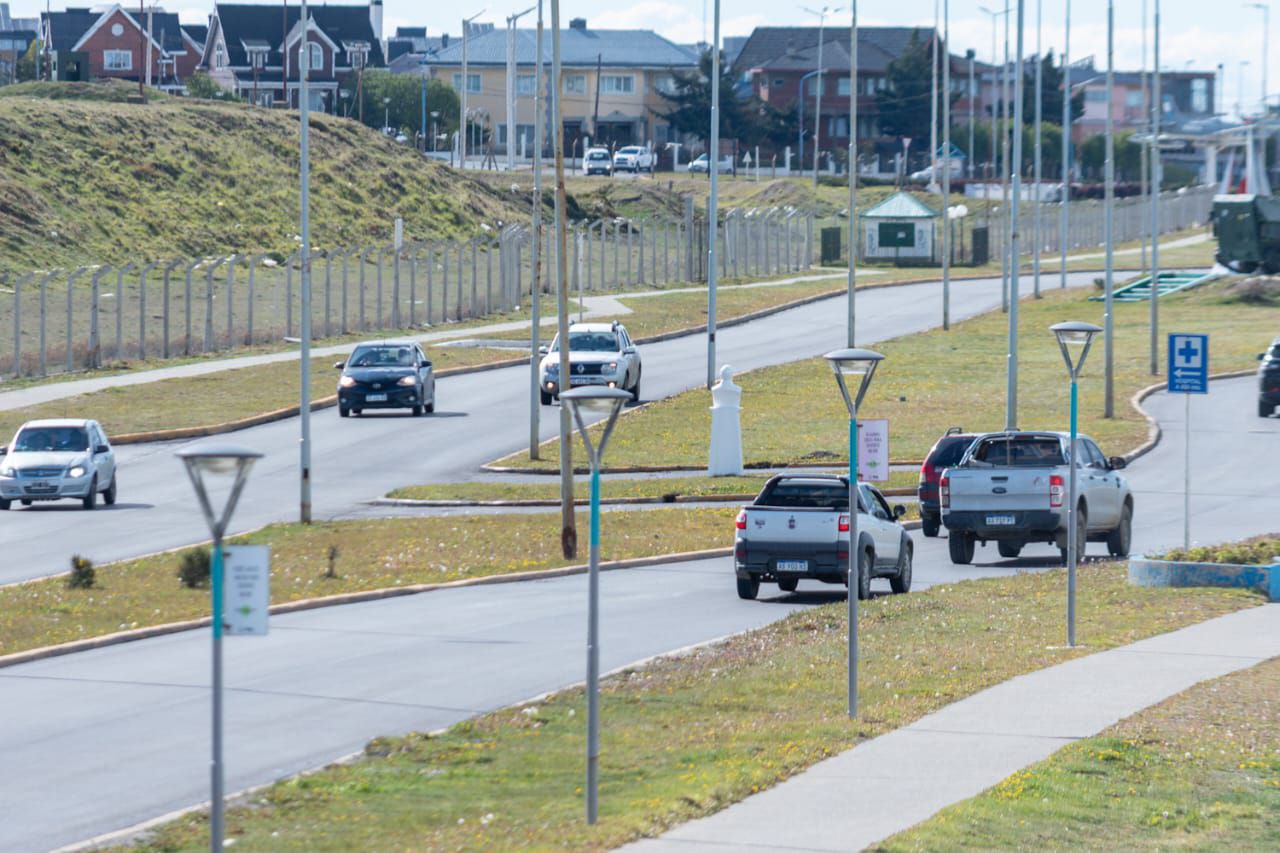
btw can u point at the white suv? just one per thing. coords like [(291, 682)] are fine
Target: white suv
[(596, 161), (633, 158), (599, 354), (54, 459)]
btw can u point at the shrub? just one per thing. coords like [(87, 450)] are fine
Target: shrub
[(82, 573), (1251, 552), (193, 568)]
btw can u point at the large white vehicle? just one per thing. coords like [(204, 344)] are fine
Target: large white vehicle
[(54, 459), (1011, 488), (599, 354), (633, 158), (596, 161), (798, 529)]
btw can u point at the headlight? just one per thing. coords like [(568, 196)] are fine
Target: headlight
[(346, 382), (76, 473), (613, 367), (7, 471), (408, 380)]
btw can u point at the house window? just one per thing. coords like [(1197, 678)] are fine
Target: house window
[(778, 81), (315, 59), (1199, 95), (525, 84), (358, 55), (842, 86), (473, 82), (1133, 98), (838, 126), (117, 60), (1095, 96), (219, 57), (257, 57), (617, 84), (575, 84)]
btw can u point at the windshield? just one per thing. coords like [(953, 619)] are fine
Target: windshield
[(45, 439), (590, 342), (1022, 451), (805, 494), (629, 150), (382, 356)]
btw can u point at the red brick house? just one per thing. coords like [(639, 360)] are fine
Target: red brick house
[(112, 43)]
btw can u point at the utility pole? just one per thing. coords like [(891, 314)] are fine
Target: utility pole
[(1157, 169), (1144, 170), (713, 202), (933, 103), (148, 40), (946, 164), (1011, 413), (1039, 86), (595, 113), (1266, 49), (568, 525), (304, 217), (1005, 130), (511, 86), (971, 54), (1065, 215), (462, 99), (535, 299), (853, 170), (1109, 193), (143, 53), (821, 15)]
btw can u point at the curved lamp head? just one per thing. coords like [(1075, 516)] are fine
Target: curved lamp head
[(218, 459), (595, 400), (854, 366), (1074, 339)]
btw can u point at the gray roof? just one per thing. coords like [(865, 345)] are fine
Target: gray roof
[(901, 206), (796, 48), (578, 47)]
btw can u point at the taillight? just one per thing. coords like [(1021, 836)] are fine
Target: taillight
[(844, 523), (1056, 491), (944, 492), (741, 522)]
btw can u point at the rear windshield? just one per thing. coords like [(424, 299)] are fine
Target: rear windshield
[(805, 494), (45, 439), (949, 452), (1020, 451), (597, 155)]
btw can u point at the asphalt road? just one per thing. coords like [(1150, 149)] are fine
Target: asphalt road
[(122, 732), (479, 417)]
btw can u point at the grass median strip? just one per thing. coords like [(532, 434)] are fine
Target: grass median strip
[(933, 380), (689, 735), (1200, 771), (372, 554)]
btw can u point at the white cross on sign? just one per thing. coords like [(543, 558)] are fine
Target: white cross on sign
[(1187, 352)]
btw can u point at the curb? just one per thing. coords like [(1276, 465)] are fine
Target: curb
[(1154, 433), (539, 502), (667, 469)]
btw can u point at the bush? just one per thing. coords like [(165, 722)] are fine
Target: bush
[(82, 573), (1252, 552), (193, 568)]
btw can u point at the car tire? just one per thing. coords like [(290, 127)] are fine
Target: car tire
[(1118, 540), (91, 500), (357, 412), (5, 504), (901, 581), (417, 411), (27, 502), (1009, 550), (788, 584), (546, 397), (344, 412), (430, 407), (864, 574), (1082, 537), (109, 496), (635, 389), (930, 526), (960, 546), (748, 589), (1265, 410)]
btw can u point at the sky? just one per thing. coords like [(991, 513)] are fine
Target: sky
[(1190, 37)]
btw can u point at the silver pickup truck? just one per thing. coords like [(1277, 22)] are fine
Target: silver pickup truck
[(1011, 488), (798, 528)]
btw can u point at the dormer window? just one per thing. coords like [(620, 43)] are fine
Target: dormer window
[(219, 57), (315, 58), (357, 53)]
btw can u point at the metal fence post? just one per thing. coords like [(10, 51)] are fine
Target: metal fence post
[(475, 274), (395, 274), (44, 324), (288, 294), (186, 307), (253, 266), (231, 317), (95, 304), (128, 267), (17, 322), (208, 302), (488, 282), (462, 251), (444, 286), (364, 261), (413, 284), (431, 277), (142, 308), (71, 280)]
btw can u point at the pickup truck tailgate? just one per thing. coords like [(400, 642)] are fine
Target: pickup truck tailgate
[(1001, 488), (779, 525)]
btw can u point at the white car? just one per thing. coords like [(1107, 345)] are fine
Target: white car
[(798, 529), (633, 158), (700, 164), (597, 162), (54, 459), (599, 354)]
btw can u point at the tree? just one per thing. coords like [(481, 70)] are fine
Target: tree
[(201, 85), (404, 112), (749, 120), (1051, 92), (904, 101), (1128, 156), (29, 63)]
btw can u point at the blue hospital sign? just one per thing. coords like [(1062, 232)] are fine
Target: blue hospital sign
[(1188, 364)]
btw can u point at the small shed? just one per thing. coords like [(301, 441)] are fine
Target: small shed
[(899, 228)]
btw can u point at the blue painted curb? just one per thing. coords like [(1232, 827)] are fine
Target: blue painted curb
[(1168, 573)]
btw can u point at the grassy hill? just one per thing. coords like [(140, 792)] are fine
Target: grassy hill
[(86, 177)]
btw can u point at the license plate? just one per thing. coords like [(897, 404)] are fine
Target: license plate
[(1000, 520), (793, 565), (375, 398), (38, 484)]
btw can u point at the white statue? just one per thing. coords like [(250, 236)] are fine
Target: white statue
[(726, 428)]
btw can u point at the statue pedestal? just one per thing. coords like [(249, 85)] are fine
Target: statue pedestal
[(725, 457)]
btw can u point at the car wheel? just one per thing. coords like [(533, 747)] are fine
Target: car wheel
[(109, 496), (91, 500), (960, 545), (901, 582), (4, 504), (417, 411), (788, 584), (1082, 537), (930, 525), (431, 407), (357, 412), (344, 412), (1265, 410), (546, 398), (864, 575), (1009, 550), (1118, 540), (635, 389), (748, 589)]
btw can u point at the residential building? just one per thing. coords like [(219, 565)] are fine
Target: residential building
[(1188, 98), (253, 51), (610, 82), (113, 43), (13, 46), (8, 22)]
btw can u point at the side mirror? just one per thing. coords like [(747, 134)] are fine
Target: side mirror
[(543, 350), (427, 365), (1117, 463), (339, 365), (899, 510), (101, 448), (629, 351), (4, 448)]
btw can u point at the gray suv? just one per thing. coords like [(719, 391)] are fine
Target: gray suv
[(51, 460), (599, 354)]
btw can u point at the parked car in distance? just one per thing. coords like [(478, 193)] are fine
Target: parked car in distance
[(945, 453), (386, 375), (1269, 380), (599, 354), (1011, 488), (797, 528), (633, 158), (50, 460), (597, 162), (700, 162)]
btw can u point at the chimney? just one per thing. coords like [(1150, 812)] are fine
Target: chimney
[(375, 18), (578, 24), (444, 40)]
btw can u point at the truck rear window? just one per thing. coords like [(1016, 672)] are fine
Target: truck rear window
[(805, 494), (1020, 451)]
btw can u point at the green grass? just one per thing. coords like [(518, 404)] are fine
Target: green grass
[(373, 554), (936, 379), (687, 736), (1200, 771), (1259, 551)]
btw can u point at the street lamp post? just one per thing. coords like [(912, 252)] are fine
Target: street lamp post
[(535, 298), (1079, 337), (1266, 46), (386, 113), (304, 229), (595, 399), (1015, 230), (821, 15), (511, 86), (853, 170), (1108, 216), (850, 365), (1066, 144), (217, 460), (713, 201), (435, 114), (1157, 176), (462, 100)]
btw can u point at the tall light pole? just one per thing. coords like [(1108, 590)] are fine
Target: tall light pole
[(1005, 130), (535, 300), (1266, 47), (946, 164), (1065, 217), (1157, 168), (304, 217), (821, 15), (568, 525), (996, 106), (1015, 165), (713, 202), (971, 54), (853, 169), (1240, 66), (1039, 163), (1108, 217), (462, 100), (511, 86), (933, 102)]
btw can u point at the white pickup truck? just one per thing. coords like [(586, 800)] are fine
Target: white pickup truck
[(1011, 488), (798, 528)]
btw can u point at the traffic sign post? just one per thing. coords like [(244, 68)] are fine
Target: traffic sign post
[(1188, 374)]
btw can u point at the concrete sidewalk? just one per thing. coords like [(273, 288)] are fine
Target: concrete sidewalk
[(893, 782)]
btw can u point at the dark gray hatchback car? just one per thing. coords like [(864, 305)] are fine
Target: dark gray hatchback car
[(386, 375)]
